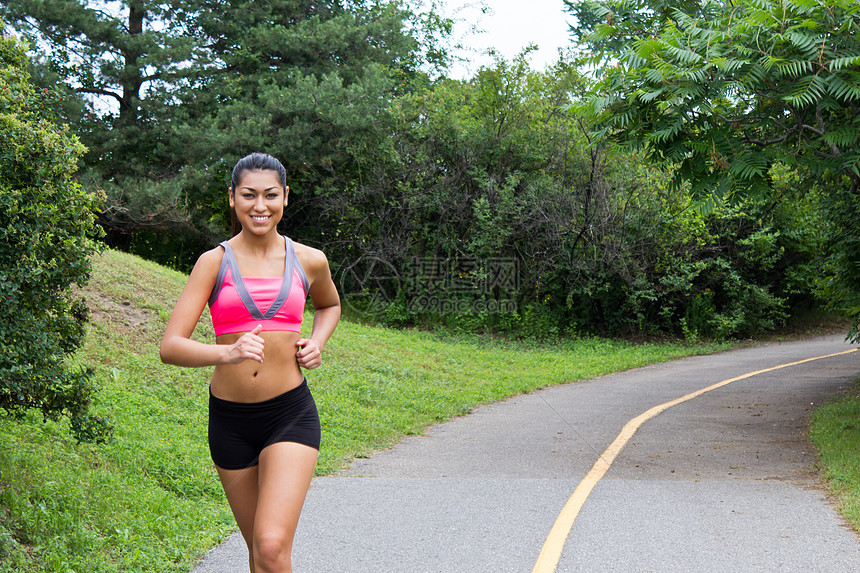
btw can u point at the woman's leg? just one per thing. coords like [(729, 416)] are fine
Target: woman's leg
[(242, 490), (285, 473)]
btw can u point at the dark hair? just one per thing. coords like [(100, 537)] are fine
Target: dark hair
[(254, 162), (257, 162)]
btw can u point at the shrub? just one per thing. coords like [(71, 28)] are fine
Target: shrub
[(47, 232)]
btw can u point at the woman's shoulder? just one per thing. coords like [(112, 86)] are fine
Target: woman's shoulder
[(311, 259), (205, 272), (310, 253), (212, 255), (210, 261)]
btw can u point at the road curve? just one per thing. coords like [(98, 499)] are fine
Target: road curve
[(723, 481)]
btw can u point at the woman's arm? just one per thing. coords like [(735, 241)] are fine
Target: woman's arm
[(326, 304), (176, 345)]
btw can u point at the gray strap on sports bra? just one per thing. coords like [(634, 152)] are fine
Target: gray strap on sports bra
[(229, 261)]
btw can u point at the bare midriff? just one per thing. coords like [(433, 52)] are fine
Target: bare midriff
[(252, 381)]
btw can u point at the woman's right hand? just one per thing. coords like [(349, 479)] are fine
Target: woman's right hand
[(248, 347)]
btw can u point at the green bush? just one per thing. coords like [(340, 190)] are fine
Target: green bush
[(724, 273), (497, 214), (47, 233)]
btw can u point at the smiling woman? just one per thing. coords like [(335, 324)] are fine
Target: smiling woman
[(261, 192), (259, 201), (264, 429)]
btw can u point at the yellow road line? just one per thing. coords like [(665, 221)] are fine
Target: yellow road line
[(551, 552)]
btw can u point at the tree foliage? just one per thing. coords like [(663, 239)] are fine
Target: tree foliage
[(443, 182), (724, 91), (308, 82), (498, 172), (128, 58), (47, 233), (192, 85)]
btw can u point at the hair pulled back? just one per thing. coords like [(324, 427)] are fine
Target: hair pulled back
[(254, 162), (257, 162)]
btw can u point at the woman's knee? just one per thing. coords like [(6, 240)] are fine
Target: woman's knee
[(272, 552)]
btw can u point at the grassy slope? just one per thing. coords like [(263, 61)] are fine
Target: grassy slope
[(150, 500)]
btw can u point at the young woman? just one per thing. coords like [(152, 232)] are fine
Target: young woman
[(264, 431)]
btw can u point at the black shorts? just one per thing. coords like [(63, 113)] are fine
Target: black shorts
[(239, 431)]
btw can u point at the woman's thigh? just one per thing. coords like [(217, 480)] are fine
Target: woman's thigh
[(285, 473), (242, 490)]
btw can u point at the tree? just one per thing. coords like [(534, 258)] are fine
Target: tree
[(724, 91), (309, 82), (128, 58), (47, 234), (196, 84), (122, 64)]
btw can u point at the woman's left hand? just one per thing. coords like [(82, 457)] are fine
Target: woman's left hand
[(309, 355)]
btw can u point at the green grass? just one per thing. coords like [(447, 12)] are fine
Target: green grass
[(150, 500), (835, 430)]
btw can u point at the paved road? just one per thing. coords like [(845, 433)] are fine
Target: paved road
[(722, 482)]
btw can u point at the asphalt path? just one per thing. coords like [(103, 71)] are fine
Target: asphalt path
[(721, 482)]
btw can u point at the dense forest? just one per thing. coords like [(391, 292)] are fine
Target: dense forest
[(692, 170)]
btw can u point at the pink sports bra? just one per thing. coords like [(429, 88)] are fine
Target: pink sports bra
[(235, 302)]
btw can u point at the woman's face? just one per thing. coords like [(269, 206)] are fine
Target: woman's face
[(259, 201)]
